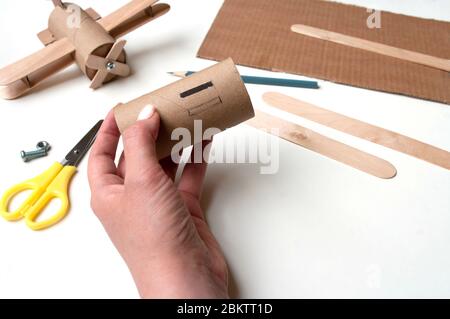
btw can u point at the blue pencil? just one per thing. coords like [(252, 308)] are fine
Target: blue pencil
[(264, 80)]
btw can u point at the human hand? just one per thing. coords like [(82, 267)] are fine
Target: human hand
[(157, 226)]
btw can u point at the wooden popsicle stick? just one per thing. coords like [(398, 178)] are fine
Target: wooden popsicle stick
[(93, 14), (394, 52), (99, 78), (360, 129), (97, 63), (14, 90), (323, 145), (116, 50), (35, 61), (22, 86), (19, 77), (121, 69), (125, 13), (102, 71), (145, 17)]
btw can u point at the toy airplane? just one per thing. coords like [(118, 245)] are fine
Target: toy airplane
[(82, 36)]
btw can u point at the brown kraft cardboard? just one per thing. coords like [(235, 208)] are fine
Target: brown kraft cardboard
[(257, 33)]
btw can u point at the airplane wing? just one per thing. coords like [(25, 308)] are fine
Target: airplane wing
[(19, 77), (131, 16)]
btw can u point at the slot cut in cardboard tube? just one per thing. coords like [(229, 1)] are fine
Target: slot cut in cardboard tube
[(216, 96)]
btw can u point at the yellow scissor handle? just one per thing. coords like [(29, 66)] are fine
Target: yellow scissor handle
[(58, 189), (37, 185)]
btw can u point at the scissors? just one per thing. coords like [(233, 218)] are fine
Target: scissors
[(50, 185)]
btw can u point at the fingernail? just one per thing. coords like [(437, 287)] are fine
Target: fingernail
[(146, 113)]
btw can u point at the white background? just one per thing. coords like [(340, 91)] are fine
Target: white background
[(318, 228)]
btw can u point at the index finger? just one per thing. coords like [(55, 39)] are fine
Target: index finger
[(102, 170)]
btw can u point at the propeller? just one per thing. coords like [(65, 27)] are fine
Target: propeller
[(108, 65)]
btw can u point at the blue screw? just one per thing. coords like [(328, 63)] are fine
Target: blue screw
[(42, 149)]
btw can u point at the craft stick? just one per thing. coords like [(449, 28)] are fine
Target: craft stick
[(360, 129), (93, 14), (35, 61), (264, 80), (91, 37), (140, 19), (22, 86), (35, 68), (98, 63), (394, 52), (325, 146), (125, 13), (102, 71)]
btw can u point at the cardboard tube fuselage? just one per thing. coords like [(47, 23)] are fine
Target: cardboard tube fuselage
[(87, 36), (216, 96)]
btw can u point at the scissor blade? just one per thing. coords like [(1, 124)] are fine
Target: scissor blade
[(74, 157)]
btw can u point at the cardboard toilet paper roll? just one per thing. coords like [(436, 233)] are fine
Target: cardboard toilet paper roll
[(87, 36), (216, 95)]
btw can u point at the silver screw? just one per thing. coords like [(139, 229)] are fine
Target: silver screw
[(42, 149), (110, 66), (43, 145)]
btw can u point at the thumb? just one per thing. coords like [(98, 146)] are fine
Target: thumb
[(140, 144)]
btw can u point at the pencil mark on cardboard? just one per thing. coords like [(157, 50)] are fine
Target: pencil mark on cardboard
[(205, 106)]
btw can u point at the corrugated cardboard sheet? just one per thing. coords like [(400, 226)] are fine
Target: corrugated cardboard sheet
[(257, 33)]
